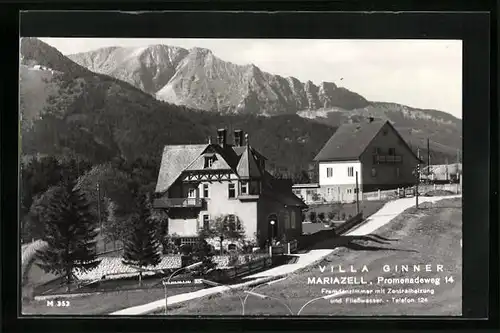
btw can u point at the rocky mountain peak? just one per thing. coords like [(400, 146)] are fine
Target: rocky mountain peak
[(200, 51)]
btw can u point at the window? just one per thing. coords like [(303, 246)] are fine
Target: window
[(349, 191), (231, 190), (328, 190), (244, 187), (392, 151), (233, 222), (329, 172), (192, 193), (374, 172), (206, 222), (205, 190), (376, 150), (285, 216), (397, 172), (209, 161), (350, 171)]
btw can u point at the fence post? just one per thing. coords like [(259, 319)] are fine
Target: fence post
[(289, 248), (270, 250), (379, 194)]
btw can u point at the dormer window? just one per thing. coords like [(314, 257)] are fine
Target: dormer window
[(209, 160)]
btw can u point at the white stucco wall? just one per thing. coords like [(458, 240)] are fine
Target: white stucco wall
[(217, 203), (340, 173)]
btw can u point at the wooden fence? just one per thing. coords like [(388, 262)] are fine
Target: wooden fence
[(240, 270), (410, 191)]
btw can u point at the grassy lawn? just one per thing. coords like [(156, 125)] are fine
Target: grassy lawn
[(367, 207), (428, 236), (103, 303)]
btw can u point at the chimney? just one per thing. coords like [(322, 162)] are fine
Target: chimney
[(221, 137), (238, 138), (371, 119)]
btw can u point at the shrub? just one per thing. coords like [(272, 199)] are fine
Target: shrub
[(233, 258), (321, 216), (312, 216), (349, 217), (343, 215), (331, 215), (186, 249)]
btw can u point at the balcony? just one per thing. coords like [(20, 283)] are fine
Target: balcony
[(245, 197), (387, 159), (177, 202)]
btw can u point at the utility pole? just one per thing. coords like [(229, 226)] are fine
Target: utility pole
[(458, 172), (428, 158), (418, 178), (77, 166), (99, 206), (357, 194), (446, 166)]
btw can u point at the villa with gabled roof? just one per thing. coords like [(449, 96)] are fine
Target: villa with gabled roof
[(373, 152), (198, 182)]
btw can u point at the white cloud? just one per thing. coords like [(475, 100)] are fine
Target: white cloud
[(418, 73)]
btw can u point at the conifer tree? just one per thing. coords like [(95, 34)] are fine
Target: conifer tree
[(141, 248), (70, 231)]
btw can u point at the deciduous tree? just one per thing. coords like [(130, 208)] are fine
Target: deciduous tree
[(224, 227)]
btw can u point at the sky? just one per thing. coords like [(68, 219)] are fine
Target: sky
[(418, 73)]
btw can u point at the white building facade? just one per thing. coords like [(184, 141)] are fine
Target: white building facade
[(337, 180)]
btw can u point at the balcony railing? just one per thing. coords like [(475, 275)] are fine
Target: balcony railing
[(177, 202), (248, 196), (382, 159)]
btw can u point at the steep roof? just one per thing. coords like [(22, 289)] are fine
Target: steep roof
[(247, 166), (240, 149), (349, 141), (272, 188), (219, 163), (174, 161), (179, 158)]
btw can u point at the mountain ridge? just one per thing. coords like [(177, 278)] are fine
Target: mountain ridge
[(78, 112), (101, 118), (201, 80)]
